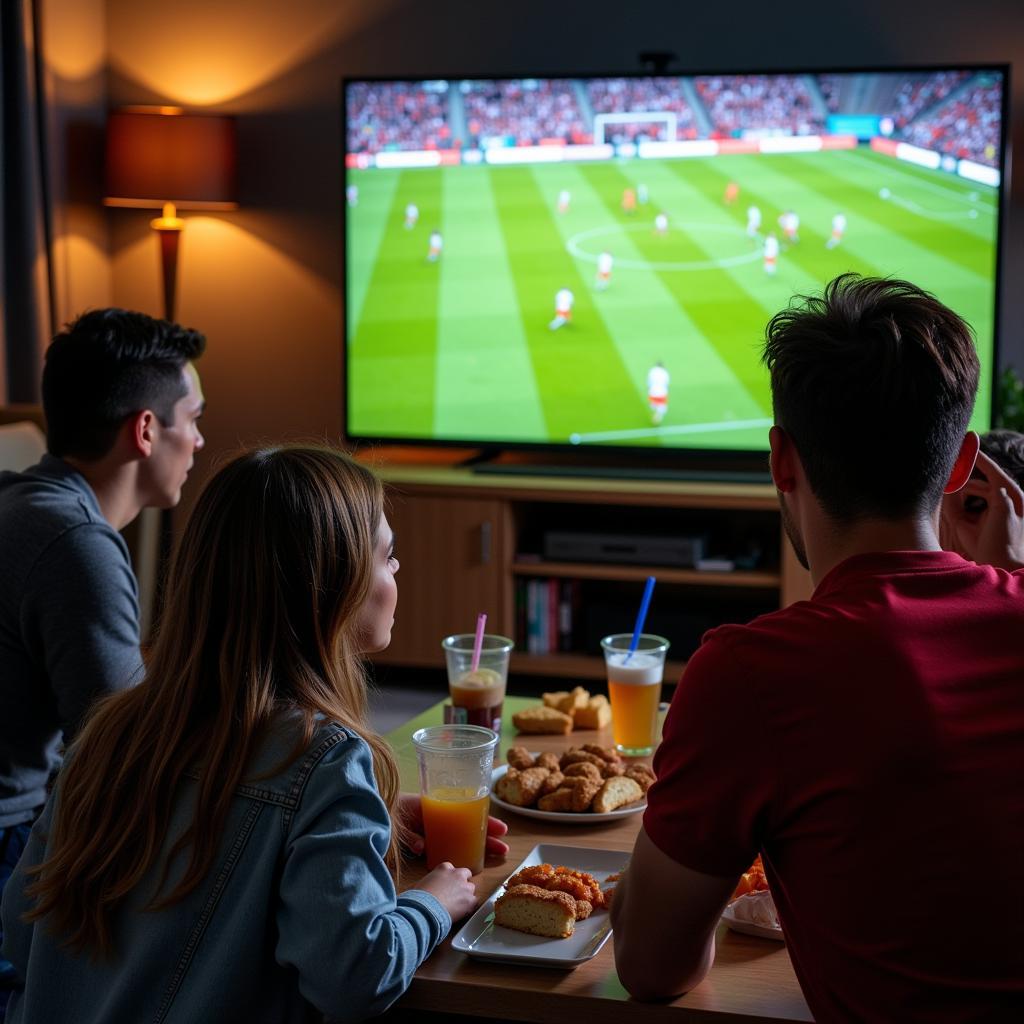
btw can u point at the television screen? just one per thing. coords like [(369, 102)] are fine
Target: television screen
[(592, 261)]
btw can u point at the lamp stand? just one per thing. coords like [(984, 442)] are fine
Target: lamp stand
[(169, 228)]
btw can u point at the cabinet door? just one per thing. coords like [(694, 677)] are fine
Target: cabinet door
[(452, 556)]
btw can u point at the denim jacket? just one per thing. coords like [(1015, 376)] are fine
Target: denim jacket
[(297, 913)]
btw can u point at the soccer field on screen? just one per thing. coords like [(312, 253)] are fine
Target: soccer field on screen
[(462, 348)]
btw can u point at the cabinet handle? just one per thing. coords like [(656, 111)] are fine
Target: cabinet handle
[(485, 542)]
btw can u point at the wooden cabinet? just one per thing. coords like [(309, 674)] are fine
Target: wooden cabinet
[(468, 543), (452, 554)]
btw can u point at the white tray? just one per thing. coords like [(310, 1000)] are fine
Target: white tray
[(481, 937), (738, 924), (565, 817)]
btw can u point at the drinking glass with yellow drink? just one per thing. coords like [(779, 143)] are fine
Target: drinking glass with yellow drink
[(634, 688), (455, 764)]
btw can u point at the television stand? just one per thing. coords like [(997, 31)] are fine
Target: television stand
[(635, 472)]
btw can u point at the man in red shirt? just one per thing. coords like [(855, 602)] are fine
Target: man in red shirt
[(869, 742)]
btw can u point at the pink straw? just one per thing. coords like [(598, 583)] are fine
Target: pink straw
[(478, 642)]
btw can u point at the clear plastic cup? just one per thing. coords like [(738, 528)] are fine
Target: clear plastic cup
[(476, 696), (455, 763), (634, 688)]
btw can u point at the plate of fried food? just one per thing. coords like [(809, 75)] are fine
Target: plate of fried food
[(751, 910), (551, 912), (581, 786)]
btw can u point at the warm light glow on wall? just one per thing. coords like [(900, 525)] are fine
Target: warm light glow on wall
[(73, 39), (200, 54)]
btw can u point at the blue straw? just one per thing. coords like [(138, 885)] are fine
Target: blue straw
[(641, 616)]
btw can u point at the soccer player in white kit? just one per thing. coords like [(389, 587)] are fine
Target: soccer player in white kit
[(352, 195), (604, 270), (412, 214), (771, 253), (753, 221), (657, 391), (564, 198), (790, 222), (563, 308), (838, 227), (436, 242), (661, 224)]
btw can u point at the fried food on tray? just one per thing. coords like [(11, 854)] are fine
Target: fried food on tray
[(595, 714), (753, 880), (577, 892), (574, 755), (519, 758), (551, 783), (583, 769), (615, 793), (527, 908), (587, 778), (567, 702), (543, 720), (641, 774), (521, 788)]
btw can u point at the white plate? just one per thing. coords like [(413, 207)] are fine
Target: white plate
[(481, 937), (738, 924), (568, 817)]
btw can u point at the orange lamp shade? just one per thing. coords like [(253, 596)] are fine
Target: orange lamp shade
[(160, 155)]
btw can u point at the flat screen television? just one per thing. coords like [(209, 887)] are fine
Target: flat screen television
[(590, 262)]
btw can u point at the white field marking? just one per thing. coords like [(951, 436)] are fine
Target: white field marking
[(574, 247), (689, 428), (909, 204), (921, 183)]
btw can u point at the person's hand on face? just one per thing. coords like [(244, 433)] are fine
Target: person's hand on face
[(984, 521), (411, 812)]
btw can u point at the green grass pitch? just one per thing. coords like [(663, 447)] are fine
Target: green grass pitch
[(461, 348)]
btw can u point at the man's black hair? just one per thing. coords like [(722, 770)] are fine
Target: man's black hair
[(874, 382), (104, 367)]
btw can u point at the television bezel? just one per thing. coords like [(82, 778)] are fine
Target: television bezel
[(697, 458)]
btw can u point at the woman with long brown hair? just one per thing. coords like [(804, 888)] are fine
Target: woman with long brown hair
[(223, 841)]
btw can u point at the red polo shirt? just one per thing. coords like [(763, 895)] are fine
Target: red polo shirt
[(870, 744)]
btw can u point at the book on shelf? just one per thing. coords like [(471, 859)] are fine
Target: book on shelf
[(547, 613)]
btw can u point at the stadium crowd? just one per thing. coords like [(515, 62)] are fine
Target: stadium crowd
[(966, 128), (622, 95), (738, 103), (397, 115), (916, 94), (529, 111)]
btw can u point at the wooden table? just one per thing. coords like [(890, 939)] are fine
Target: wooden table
[(752, 979)]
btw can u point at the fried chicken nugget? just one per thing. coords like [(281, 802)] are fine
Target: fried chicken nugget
[(536, 874), (584, 878), (583, 769), (641, 774), (612, 771), (574, 755), (584, 908), (551, 783), (583, 791), (519, 758), (560, 800), (521, 788), (546, 760), (605, 753)]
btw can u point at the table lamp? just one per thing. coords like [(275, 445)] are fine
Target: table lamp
[(163, 158)]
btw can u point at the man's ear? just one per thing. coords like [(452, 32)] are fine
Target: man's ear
[(141, 430), (964, 464), (781, 462)]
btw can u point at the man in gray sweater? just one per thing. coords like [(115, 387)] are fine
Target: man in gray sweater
[(122, 401)]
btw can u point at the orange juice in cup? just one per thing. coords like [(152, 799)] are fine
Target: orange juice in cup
[(455, 822), (634, 689), (455, 764)]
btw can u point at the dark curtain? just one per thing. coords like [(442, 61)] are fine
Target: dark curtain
[(27, 311)]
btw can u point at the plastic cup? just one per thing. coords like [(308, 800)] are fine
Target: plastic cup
[(634, 687), (476, 696), (455, 764)]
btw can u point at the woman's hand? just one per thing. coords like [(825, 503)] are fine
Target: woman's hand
[(411, 813)]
